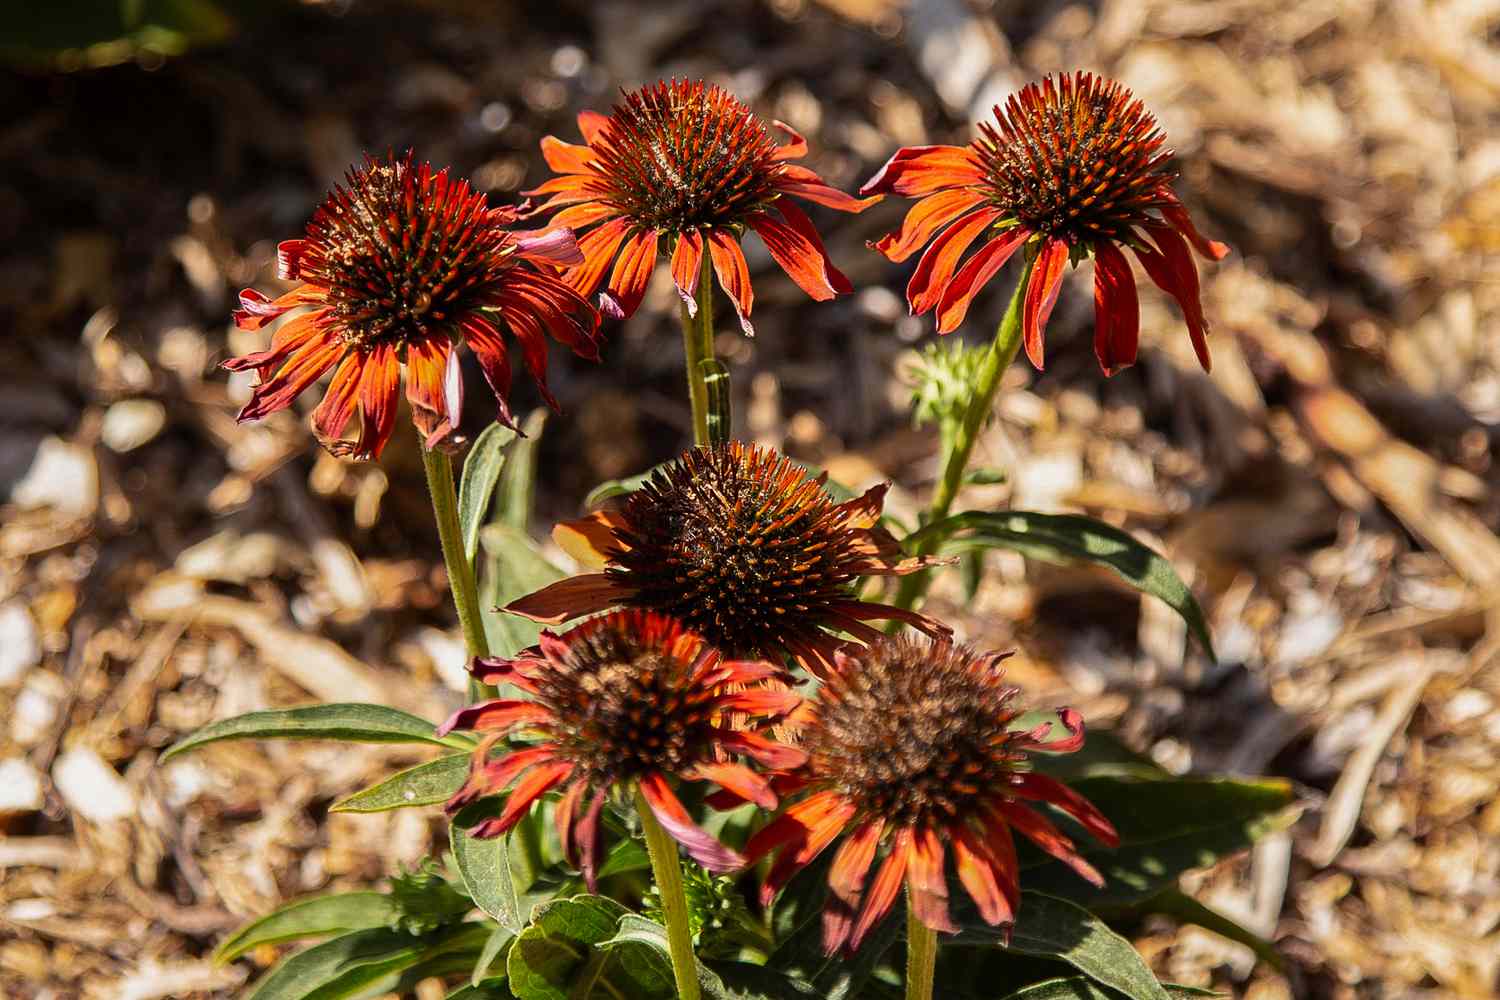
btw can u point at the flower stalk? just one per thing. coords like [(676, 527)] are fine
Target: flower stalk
[(698, 347), (460, 571), (921, 957), (958, 443), (667, 869)]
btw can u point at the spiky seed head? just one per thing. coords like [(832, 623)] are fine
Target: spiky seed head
[(1077, 157), (742, 545), (402, 251), (685, 155), (916, 732)]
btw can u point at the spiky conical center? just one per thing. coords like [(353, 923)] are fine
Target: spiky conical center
[(624, 701), (401, 250), (1078, 158), (686, 155), (738, 543), (916, 732)]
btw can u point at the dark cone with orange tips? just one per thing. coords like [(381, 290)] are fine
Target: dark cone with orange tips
[(630, 699), (911, 760), (746, 549), (1072, 167), (403, 267)]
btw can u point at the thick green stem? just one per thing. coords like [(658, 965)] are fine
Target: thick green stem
[(698, 347), (921, 957), (958, 444), (668, 871), (460, 571)]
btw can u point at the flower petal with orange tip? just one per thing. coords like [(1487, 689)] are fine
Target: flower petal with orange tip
[(935, 269), (590, 540), (599, 247), (738, 779), (793, 150), (914, 171), (333, 414), (1041, 832), (852, 863), (1171, 267), (926, 882), (762, 750), (795, 246), (977, 865), (701, 846), (804, 184), (1041, 296), (498, 714), (733, 274), (925, 219), (537, 782), (566, 158), (490, 777), (571, 598), (687, 268), (882, 891), (1178, 218), (627, 284)]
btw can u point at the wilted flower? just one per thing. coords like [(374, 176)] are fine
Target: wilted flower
[(1072, 168), (627, 699), (400, 268), (745, 548), (910, 752), (680, 168)]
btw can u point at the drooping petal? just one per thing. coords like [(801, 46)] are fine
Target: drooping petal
[(497, 714), (591, 540), (938, 263), (426, 363), (738, 779), (701, 846), (913, 171), (977, 872), (1177, 216), (1041, 296), (554, 245), (926, 881), (883, 889), (490, 777), (868, 610), (761, 701), (687, 266), (627, 285), (1040, 831), (796, 247), (571, 598), (337, 408), (598, 247), (256, 310), (852, 863), (1072, 721), (1117, 314), (952, 298), (767, 752), (1172, 269), (494, 361), (924, 220), (803, 183), (733, 274), (379, 387), (590, 841), (1041, 788), (319, 351), (793, 150), (537, 782), (565, 818)]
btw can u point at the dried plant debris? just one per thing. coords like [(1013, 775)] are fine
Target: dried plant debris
[(1330, 491)]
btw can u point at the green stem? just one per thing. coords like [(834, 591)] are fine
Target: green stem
[(668, 871), (959, 445), (921, 957), (698, 347), (460, 571)]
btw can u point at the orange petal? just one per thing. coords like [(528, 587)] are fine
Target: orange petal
[(918, 170), (591, 540), (882, 891), (570, 598), (734, 275), (566, 158), (953, 304), (938, 263), (1041, 296), (924, 220)]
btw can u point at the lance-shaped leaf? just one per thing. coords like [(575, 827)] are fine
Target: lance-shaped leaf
[(352, 723), (476, 486), (423, 785), (305, 918)]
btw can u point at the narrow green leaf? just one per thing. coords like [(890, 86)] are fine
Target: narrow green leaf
[(501, 937), (1063, 538), (424, 785), (488, 867), (1080, 988), (513, 567), (348, 911), (354, 723), (518, 478), (611, 488), (477, 484), (1055, 928), (353, 963), (494, 988)]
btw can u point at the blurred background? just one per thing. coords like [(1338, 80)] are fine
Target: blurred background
[(1330, 491)]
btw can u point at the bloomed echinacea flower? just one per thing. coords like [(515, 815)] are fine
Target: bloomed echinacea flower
[(401, 268), (683, 168), (911, 759), (1073, 167), (627, 699), (744, 547)]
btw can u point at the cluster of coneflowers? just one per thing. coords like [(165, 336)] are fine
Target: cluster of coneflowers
[(729, 643)]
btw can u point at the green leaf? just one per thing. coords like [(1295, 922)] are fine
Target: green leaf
[(719, 980), (1079, 988), (494, 988), (354, 963), (501, 937), (513, 568), (1064, 538), (627, 855), (1055, 928), (348, 911), (1167, 826), (353, 723), (568, 954), (495, 874), (477, 484), (423, 785), (611, 488), (518, 478), (1179, 905)]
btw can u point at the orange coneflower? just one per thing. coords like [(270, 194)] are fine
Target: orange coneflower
[(400, 268), (683, 168), (910, 752), (628, 699), (1073, 167), (745, 548)]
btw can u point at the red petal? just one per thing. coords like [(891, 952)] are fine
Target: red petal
[(576, 217), (759, 702), (1117, 314), (935, 269), (700, 845), (977, 867), (426, 362), (687, 266), (803, 183), (1040, 831), (591, 125), (598, 247), (379, 385), (337, 408), (537, 782), (852, 862), (1178, 217), (590, 842), (489, 349), (555, 245), (289, 259), (734, 275), (256, 310), (1072, 721), (498, 714), (794, 150), (1044, 789), (795, 246), (925, 218), (761, 750), (926, 882), (868, 610), (882, 891), (738, 779), (955, 298), (627, 285), (490, 777), (1173, 271), (566, 817), (1041, 296), (917, 170), (570, 598)]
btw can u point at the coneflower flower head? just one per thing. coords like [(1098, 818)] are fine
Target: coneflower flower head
[(1072, 167), (911, 753), (683, 168), (744, 547), (631, 698), (400, 266)]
